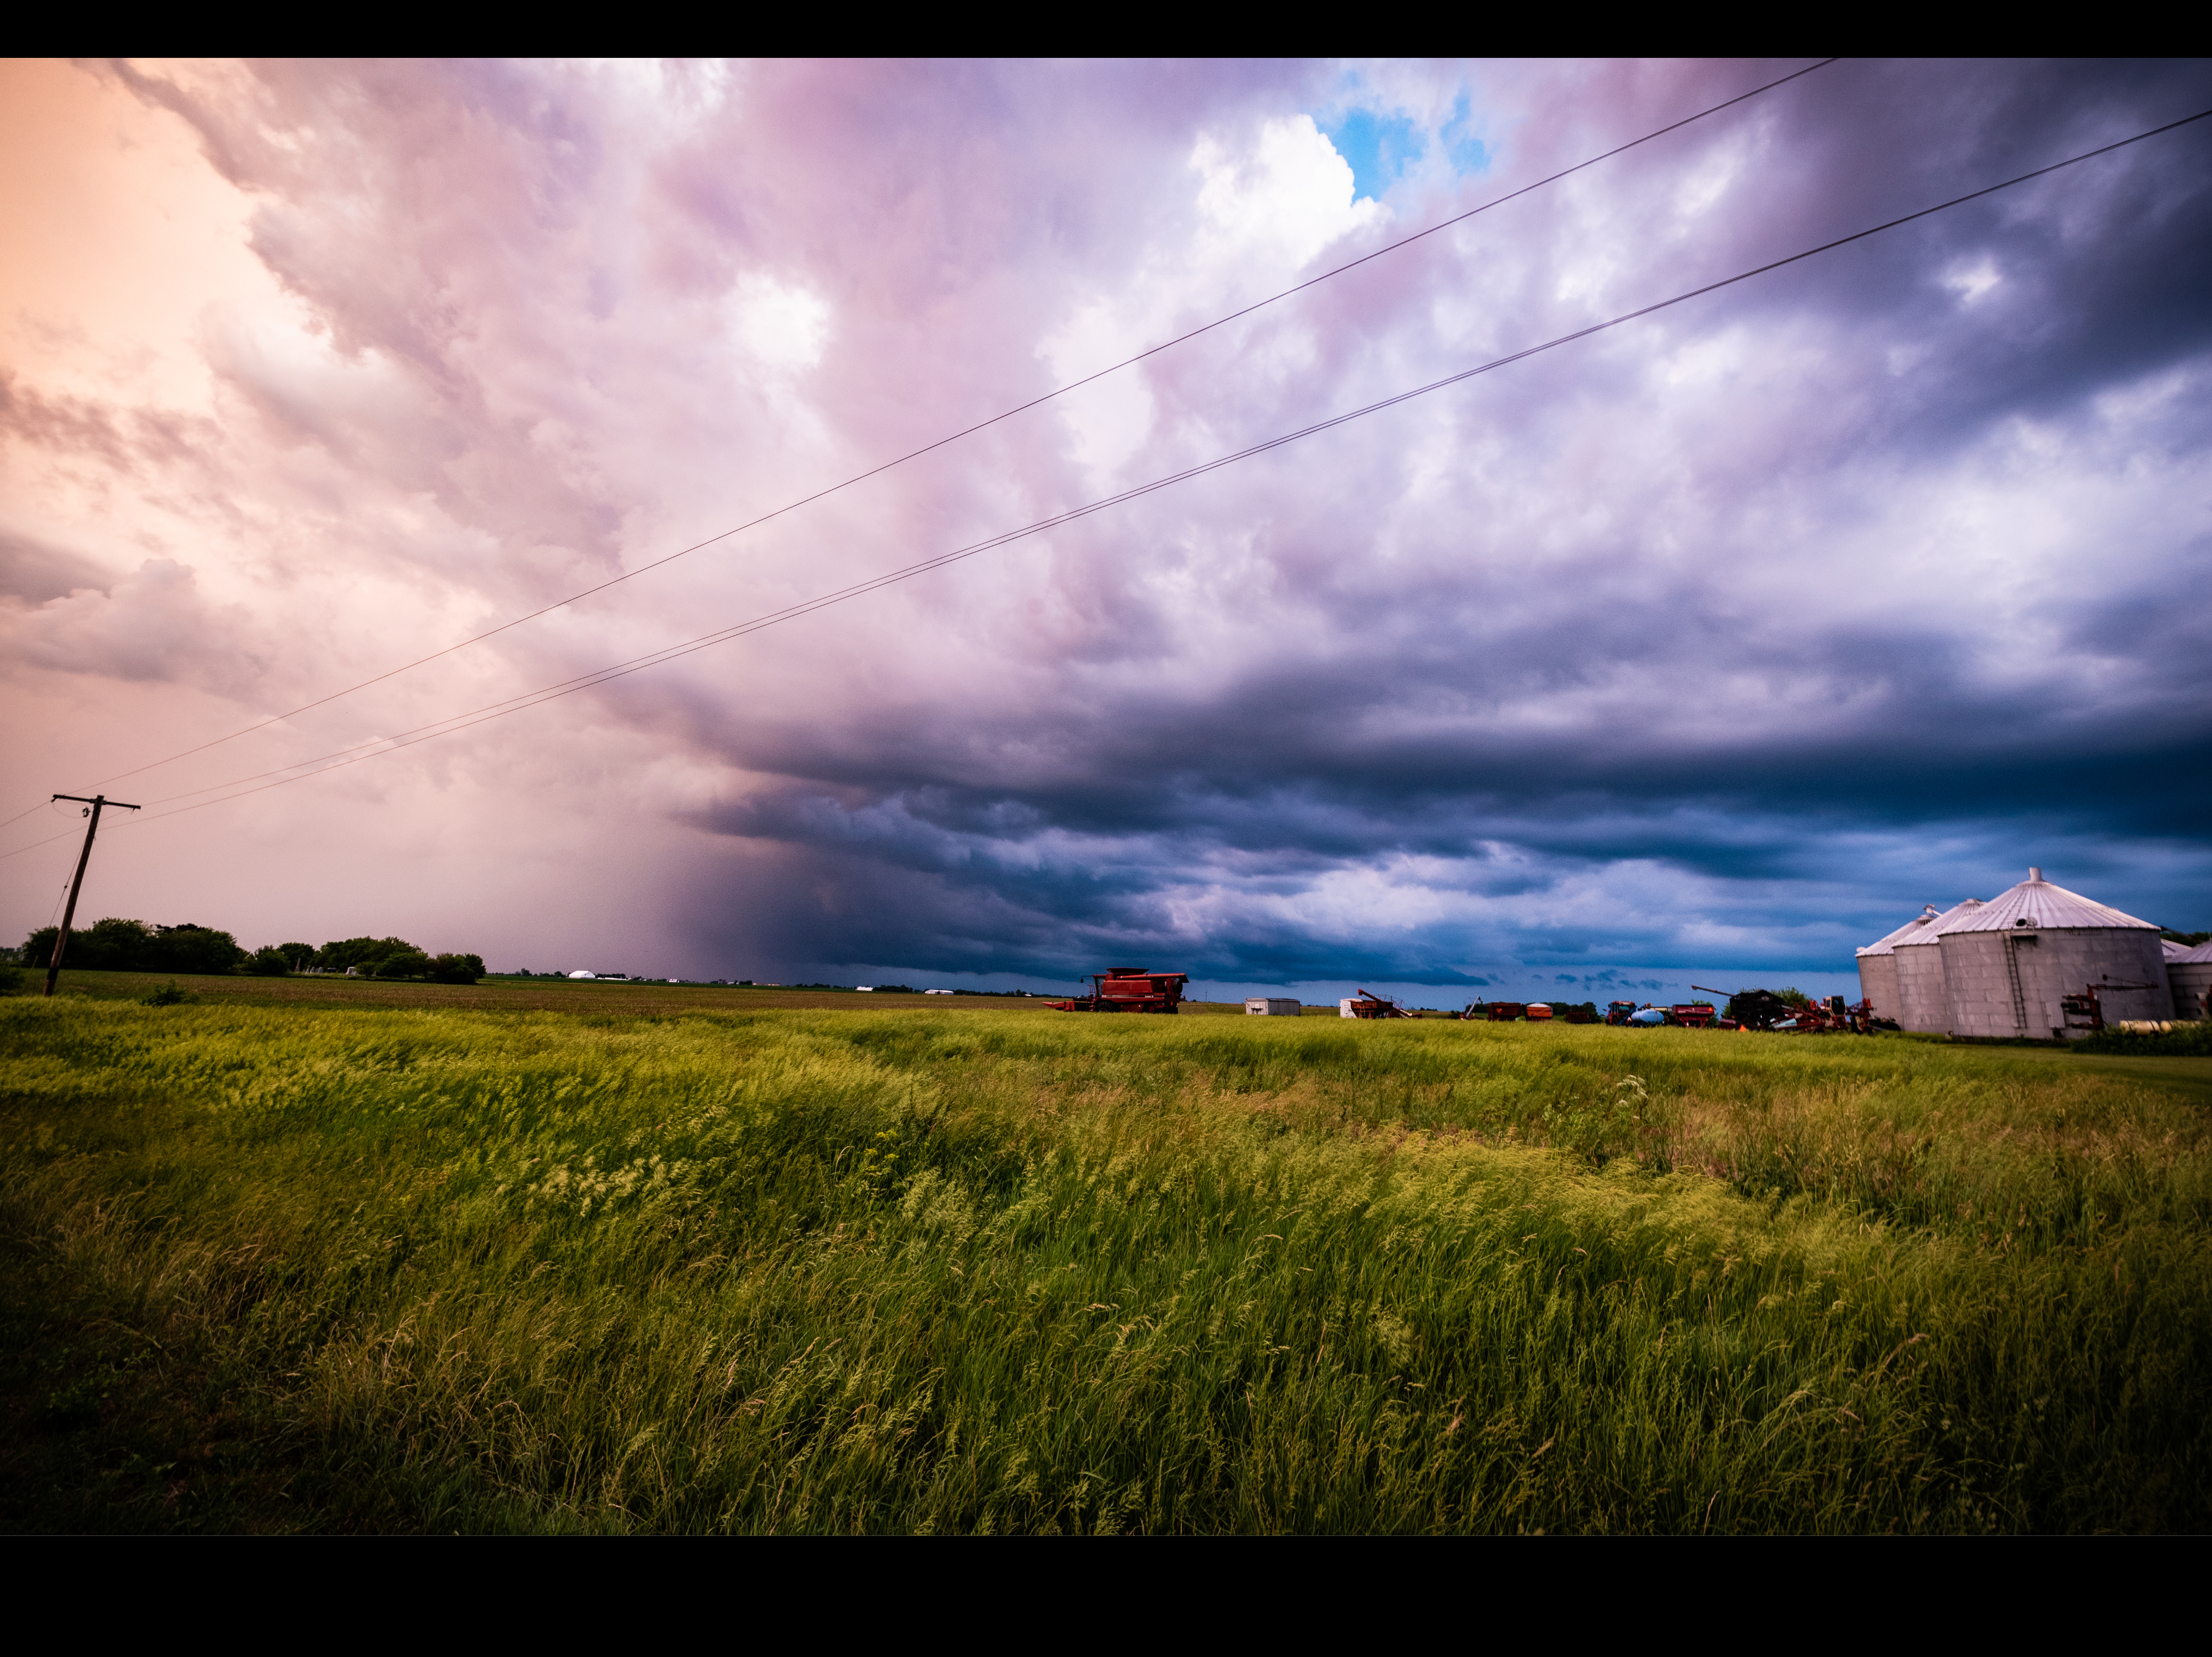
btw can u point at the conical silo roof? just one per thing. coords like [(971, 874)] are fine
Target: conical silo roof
[(2166, 947), (2036, 902), (1919, 923), (2201, 953), (1947, 922)]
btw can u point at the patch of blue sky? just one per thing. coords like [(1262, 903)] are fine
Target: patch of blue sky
[(1465, 152), (1378, 147)]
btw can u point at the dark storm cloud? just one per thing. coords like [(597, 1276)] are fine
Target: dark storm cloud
[(2023, 310)]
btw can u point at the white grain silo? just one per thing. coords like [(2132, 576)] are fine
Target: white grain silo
[(1922, 999), (2008, 964), (2189, 976), (1878, 966)]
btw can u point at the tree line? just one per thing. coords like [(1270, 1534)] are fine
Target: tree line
[(115, 945)]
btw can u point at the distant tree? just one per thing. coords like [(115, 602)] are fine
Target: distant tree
[(406, 964), (457, 969), (268, 962), (297, 956), (114, 945), (193, 948), (362, 953), (11, 977)]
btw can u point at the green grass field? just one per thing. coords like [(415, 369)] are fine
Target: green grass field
[(294, 1265)]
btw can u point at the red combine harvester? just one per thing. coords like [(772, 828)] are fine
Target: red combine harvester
[(1129, 989), (1367, 1006)]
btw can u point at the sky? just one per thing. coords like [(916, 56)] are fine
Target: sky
[(1703, 648)]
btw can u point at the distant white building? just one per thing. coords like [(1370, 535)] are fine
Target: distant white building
[(1271, 1007), (583, 975)]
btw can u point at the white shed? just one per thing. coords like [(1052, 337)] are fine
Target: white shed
[(1878, 966), (1922, 998), (1271, 1007), (2006, 965)]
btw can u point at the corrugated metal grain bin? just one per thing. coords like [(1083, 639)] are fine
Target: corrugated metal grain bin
[(2189, 974), (1271, 1007), (1923, 1001), (1878, 966), (2008, 965)]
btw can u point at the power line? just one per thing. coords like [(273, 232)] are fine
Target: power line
[(46, 805), (489, 711), (969, 431)]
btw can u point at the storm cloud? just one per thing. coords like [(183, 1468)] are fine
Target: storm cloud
[(1730, 636)]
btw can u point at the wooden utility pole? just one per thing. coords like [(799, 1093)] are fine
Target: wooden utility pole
[(61, 938)]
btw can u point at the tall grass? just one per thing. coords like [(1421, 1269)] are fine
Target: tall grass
[(1009, 1272)]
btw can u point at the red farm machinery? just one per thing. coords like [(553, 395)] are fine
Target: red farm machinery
[(1129, 989), (2085, 1011), (1506, 1012), (1762, 1010)]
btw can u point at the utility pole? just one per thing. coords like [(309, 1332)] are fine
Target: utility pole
[(61, 938)]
